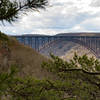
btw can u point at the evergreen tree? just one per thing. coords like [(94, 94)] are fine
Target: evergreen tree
[(9, 9), (78, 79)]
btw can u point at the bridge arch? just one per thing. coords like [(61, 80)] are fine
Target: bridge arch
[(74, 40)]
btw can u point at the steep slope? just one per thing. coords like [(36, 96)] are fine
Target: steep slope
[(28, 60)]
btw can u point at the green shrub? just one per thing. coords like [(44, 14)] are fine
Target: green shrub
[(3, 37), (79, 79)]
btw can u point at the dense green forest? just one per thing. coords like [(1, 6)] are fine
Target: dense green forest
[(78, 79)]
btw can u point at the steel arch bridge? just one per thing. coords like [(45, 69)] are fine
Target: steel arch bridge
[(40, 42)]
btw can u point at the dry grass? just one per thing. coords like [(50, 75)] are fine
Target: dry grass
[(28, 60)]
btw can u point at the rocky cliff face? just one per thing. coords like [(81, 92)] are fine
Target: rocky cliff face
[(79, 50)]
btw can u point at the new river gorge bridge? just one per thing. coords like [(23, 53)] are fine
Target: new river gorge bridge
[(39, 42)]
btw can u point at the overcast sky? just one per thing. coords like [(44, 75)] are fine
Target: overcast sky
[(61, 16)]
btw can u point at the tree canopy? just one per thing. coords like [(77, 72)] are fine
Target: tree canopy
[(77, 79), (9, 9)]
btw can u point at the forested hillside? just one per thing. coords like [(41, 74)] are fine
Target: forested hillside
[(28, 60)]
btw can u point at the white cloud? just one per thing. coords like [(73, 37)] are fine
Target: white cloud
[(95, 3), (94, 21), (61, 16)]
